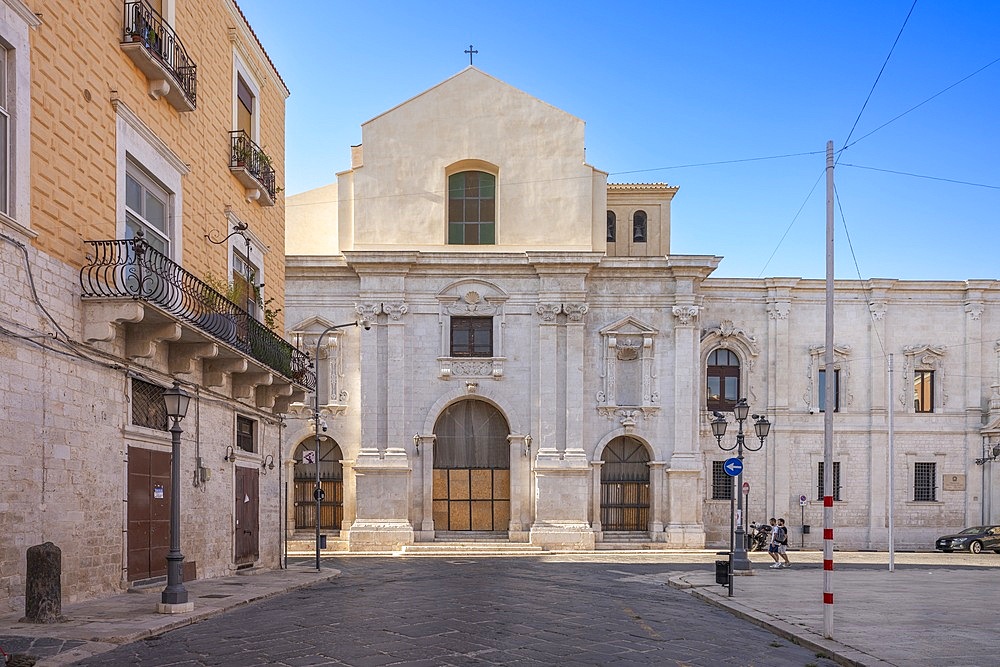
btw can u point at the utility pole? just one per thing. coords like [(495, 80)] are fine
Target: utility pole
[(828, 410)]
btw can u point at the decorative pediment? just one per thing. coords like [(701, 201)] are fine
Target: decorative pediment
[(923, 356), (472, 297), (729, 336)]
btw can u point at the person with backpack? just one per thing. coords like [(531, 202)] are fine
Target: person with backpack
[(772, 547), (783, 543)]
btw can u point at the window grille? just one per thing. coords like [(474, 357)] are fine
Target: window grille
[(148, 408), (924, 478), (836, 481), (722, 483), (822, 390)]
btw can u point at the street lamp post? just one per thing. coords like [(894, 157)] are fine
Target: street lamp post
[(176, 401), (318, 490), (761, 427)]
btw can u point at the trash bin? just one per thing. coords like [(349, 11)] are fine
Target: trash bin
[(722, 569), (322, 541)]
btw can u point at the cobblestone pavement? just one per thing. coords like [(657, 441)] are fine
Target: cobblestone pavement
[(457, 611)]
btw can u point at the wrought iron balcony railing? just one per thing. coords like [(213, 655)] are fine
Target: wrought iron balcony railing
[(144, 24), (131, 268), (248, 155)]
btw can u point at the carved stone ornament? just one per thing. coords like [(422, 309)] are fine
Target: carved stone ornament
[(628, 349), (685, 313), (548, 311), (575, 311), (974, 309), (472, 387), (878, 310), (395, 310), (368, 311), (779, 311)]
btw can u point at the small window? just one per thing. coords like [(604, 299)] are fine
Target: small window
[(245, 434), (472, 336), (822, 390), (723, 377), (472, 208), (639, 227), (245, 103), (244, 281), (923, 391), (722, 483), (836, 481), (924, 482), (146, 210), (612, 221), (148, 408)]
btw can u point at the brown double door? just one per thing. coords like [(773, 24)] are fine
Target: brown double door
[(247, 543), (471, 499), (148, 513), (471, 468)]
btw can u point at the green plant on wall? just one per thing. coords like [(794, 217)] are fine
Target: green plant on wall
[(236, 293)]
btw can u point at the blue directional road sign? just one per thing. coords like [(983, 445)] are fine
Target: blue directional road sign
[(733, 466)]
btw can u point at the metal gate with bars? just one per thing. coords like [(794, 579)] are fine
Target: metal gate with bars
[(331, 474), (625, 486)]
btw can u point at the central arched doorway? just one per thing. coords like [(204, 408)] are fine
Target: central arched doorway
[(331, 476), (471, 468), (625, 486)]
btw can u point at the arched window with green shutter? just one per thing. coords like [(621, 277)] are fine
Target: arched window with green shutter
[(472, 208)]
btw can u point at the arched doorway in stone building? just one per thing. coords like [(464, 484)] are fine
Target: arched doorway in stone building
[(625, 486), (471, 468), (331, 476)]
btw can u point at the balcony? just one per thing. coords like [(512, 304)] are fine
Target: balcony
[(252, 166), (157, 50), (135, 295)]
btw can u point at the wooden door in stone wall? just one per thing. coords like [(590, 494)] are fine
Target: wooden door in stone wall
[(625, 486), (247, 542), (471, 468), (148, 513)]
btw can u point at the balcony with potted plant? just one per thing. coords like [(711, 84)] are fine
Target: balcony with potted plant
[(252, 167), (157, 51)]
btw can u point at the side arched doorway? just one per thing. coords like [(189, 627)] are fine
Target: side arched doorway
[(625, 486), (471, 468), (331, 476)]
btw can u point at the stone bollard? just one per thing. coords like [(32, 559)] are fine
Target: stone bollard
[(43, 585)]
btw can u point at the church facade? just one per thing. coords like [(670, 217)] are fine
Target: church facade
[(541, 369)]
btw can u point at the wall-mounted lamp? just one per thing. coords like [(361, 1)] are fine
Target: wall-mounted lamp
[(527, 445), (990, 453), (230, 456), (416, 442), (267, 464)]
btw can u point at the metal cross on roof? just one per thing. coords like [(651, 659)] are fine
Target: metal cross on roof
[(470, 51)]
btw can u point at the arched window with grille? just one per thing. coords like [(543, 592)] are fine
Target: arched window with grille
[(723, 376)]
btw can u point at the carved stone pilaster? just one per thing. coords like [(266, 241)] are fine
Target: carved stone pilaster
[(685, 314), (395, 310), (779, 311), (575, 311), (548, 311), (368, 311), (974, 309)]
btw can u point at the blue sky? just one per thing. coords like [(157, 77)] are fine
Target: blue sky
[(665, 85)]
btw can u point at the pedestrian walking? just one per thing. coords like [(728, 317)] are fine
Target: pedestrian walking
[(772, 546), (783, 543)]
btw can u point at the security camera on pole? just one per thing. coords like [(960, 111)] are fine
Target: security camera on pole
[(734, 468)]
